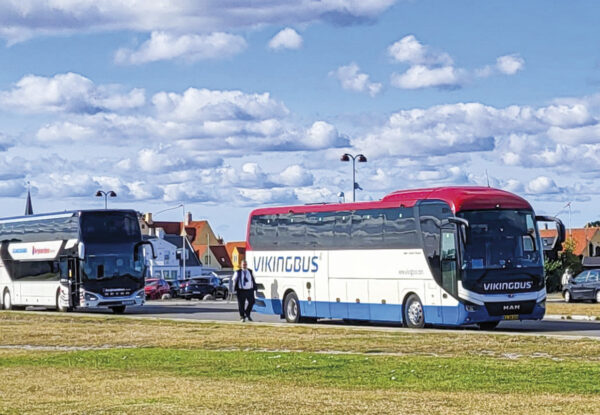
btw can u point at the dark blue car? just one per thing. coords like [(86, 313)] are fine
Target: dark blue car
[(584, 286), (202, 286)]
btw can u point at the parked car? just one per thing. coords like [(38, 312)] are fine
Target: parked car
[(175, 286), (200, 287), (584, 286), (155, 288)]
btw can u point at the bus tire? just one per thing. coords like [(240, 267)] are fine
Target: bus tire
[(291, 308), (6, 300), (488, 325), (59, 308), (118, 309), (414, 317)]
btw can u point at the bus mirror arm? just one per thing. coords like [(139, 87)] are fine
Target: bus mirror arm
[(136, 246), (560, 228), (462, 225)]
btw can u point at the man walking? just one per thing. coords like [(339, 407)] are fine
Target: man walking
[(244, 286)]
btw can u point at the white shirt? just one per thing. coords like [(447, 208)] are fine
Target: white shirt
[(246, 280)]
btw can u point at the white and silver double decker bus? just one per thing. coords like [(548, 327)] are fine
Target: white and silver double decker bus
[(441, 256), (86, 258)]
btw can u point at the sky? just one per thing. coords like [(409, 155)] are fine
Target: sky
[(229, 105)]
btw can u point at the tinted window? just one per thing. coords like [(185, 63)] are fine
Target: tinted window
[(291, 231), (400, 228), (367, 228), (362, 229), (41, 230), (430, 216), (34, 270), (110, 227), (319, 230), (263, 231)]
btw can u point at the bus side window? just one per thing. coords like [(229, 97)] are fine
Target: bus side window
[(319, 229), (399, 228), (342, 229)]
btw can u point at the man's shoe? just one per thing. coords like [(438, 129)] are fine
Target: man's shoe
[(249, 318), (243, 319)]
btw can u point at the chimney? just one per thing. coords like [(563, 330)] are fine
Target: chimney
[(148, 218), (188, 218)]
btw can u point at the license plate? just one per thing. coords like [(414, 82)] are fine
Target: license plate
[(196, 292), (128, 302), (511, 317)]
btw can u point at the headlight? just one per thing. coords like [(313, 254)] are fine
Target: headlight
[(140, 294), (90, 297), (542, 304)]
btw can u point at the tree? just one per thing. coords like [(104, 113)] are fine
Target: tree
[(554, 270)]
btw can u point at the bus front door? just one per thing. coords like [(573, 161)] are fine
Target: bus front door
[(449, 268), (69, 282)]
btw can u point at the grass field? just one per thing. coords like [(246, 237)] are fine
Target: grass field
[(61, 364), (574, 309)]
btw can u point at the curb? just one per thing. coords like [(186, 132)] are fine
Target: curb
[(566, 317)]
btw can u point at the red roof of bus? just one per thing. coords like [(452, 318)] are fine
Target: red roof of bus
[(458, 198)]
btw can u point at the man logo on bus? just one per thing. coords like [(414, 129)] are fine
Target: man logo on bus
[(286, 263)]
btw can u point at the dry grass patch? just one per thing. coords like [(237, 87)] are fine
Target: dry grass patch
[(90, 391), (574, 309), (89, 331)]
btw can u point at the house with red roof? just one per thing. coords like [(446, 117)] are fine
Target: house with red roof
[(208, 247), (586, 240)]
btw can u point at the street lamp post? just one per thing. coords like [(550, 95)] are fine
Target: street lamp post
[(183, 236), (361, 159), (101, 193)]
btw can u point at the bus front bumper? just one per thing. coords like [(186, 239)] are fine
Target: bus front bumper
[(94, 300)]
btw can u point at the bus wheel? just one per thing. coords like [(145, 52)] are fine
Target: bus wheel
[(6, 301), (118, 309), (291, 308), (413, 313), (488, 325), (60, 308)]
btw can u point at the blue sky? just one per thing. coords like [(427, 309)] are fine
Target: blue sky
[(230, 105)]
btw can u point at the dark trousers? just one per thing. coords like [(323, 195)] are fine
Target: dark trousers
[(244, 296)]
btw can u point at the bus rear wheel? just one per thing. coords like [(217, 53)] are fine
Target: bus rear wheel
[(488, 325), (118, 309), (291, 308), (414, 317)]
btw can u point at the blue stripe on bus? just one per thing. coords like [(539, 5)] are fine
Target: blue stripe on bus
[(441, 315)]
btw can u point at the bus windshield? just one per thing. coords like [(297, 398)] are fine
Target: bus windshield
[(99, 267), (501, 239), (110, 227)]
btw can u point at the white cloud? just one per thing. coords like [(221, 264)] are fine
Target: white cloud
[(23, 19), (69, 92), (352, 79), (287, 38), (410, 50), (420, 76), (296, 176), (189, 47), (64, 132), (542, 185), (510, 64), (323, 135), (205, 104)]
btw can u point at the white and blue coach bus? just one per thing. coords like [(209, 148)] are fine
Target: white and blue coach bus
[(91, 259), (441, 256)]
